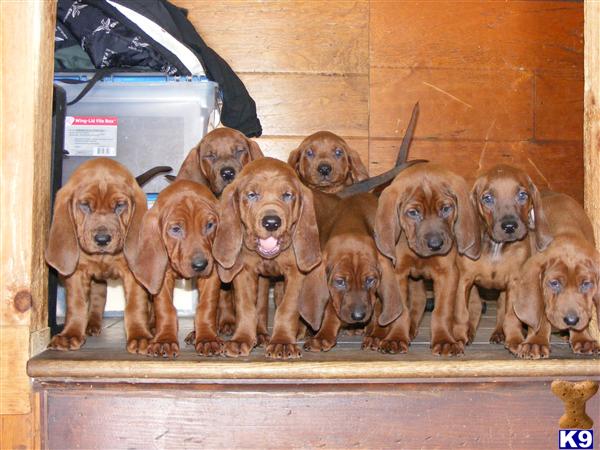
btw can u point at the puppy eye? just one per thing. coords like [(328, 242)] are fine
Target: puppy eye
[(487, 199), (446, 210), (210, 225), (85, 207), (176, 231), (287, 196), (370, 282), (240, 151), (413, 213), (522, 196), (120, 207), (339, 152), (339, 283), (586, 286), (252, 196), (209, 156), (555, 285), (310, 153)]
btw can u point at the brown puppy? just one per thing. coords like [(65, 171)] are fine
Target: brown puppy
[(512, 223), (175, 241), (95, 214), (268, 228), (352, 275), (325, 162), (420, 217), (558, 286)]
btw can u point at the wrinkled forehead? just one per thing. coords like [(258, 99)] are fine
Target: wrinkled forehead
[(269, 181), (102, 191), (507, 184), (188, 207), (429, 192), (323, 142), (571, 264), (223, 142)]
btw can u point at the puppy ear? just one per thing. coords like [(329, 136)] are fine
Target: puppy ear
[(537, 220), (146, 253), (191, 169), (139, 204), (528, 302), (228, 237), (389, 293), (255, 151), (314, 296), (62, 251), (387, 224), (358, 171), (306, 234), (294, 159), (466, 226)]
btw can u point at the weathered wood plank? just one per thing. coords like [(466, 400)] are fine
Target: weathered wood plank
[(17, 431), (472, 34), (14, 383), (280, 36)]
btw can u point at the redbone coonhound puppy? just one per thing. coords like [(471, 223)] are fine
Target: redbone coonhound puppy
[(175, 241), (558, 286), (352, 275), (325, 162), (96, 213), (424, 220), (267, 228), (512, 224)]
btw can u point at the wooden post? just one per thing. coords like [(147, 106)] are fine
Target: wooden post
[(591, 130)]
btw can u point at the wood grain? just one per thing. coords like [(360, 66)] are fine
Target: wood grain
[(299, 105), (280, 36), (471, 34), (15, 386), (17, 431), (455, 103), (559, 105)]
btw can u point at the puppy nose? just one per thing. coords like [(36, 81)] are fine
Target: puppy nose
[(324, 169), (199, 263), (228, 174), (271, 223), (102, 239), (358, 314), (571, 319), (434, 241), (509, 226)]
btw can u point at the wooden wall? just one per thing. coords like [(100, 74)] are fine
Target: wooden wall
[(497, 81)]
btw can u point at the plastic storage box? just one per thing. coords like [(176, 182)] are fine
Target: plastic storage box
[(142, 120)]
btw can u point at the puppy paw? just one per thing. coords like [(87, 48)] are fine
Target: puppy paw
[(513, 346), (446, 348), (234, 349), (209, 347), (370, 343), (262, 339), (533, 351), (64, 342), (190, 339), (393, 346), (354, 331), (585, 347), (413, 332), (93, 329), (167, 348), (283, 351), (497, 337), (319, 345), (138, 345), (226, 328)]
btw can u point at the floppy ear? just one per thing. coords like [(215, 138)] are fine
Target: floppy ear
[(306, 234), (190, 169), (294, 159), (387, 224), (389, 293), (537, 220), (62, 251), (314, 296), (139, 205), (358, 171), (466, 226), (255, 151), (146, 253), (228, 237), (528, 302)]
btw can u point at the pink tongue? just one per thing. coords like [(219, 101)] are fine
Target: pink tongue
[(268, 244)]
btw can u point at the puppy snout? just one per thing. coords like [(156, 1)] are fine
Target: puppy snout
[(271, 222), (509, 226), (324, 169), (434, 241), (102, 238), (571, 319), (199, 263), (358, 314), (228, 174)]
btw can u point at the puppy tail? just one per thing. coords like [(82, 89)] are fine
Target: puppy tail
[(151, 173)]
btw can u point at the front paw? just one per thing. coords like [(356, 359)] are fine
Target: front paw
[(319, 344), (531, 350), (585, 347), (262, 339), (66, 342), (497, 337), (93, 329), (226, 328), (370, 343), (283, 351), (513, 345), (209, 346), (190, 339), (393, 346), (446, 348), (234, 349), (165, 347), (138, 345)]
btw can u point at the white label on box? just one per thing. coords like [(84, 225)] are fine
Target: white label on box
[(91, 135)]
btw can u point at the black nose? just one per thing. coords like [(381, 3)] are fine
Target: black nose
[(358, 314), (571, 319), (102, 239), (324, 169), (228, 174), (434, 242), (271, 223), (509, 226), (199, 263)]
